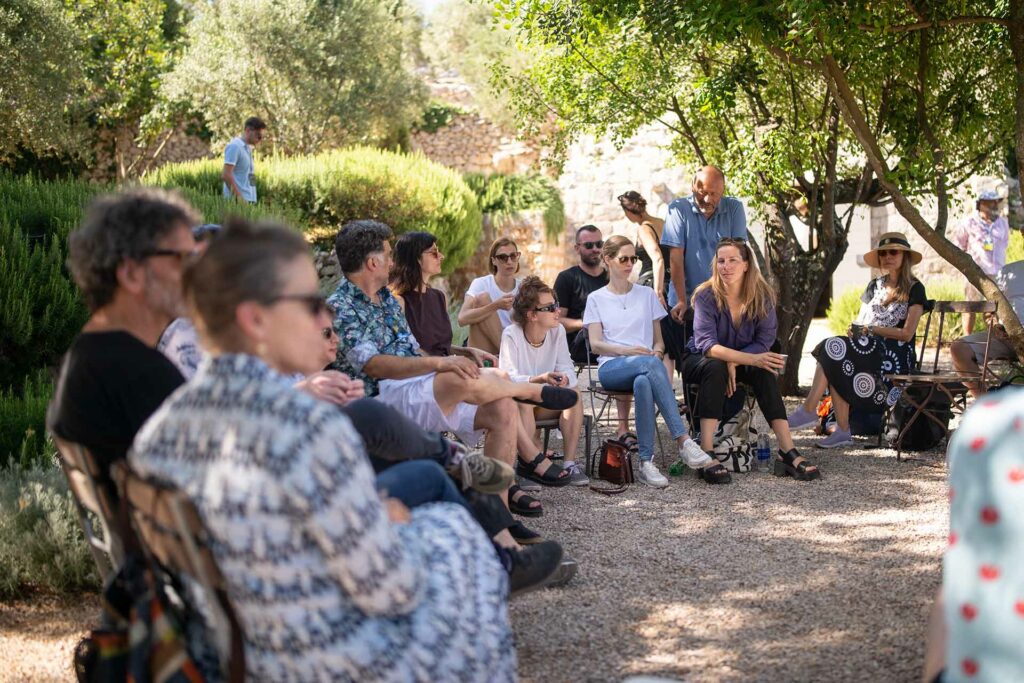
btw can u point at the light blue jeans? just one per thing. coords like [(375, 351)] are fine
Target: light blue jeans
[(645, 376)]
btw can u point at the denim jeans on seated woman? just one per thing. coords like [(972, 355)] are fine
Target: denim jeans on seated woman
[(645, 376), (418, 482)]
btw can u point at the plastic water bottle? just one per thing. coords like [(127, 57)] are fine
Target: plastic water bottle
[(764, 452), (677, 468)]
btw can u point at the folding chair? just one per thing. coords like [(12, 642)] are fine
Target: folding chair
[(96, 506), (605, 397), (547, 425), (934, 383), (174, 536), (691, 392)]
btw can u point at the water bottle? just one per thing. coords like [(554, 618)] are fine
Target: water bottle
[(764, 452), (677, 468)]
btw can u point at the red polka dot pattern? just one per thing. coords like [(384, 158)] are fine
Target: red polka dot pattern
[(978, 443), (989, 515), (968, 611), (1019, 607), (969, 666), (953, 538), (1016, 475), (989, 572)]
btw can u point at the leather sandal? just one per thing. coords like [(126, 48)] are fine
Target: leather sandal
[(714, 474), (524, 535), (628, 439), (554, 475), (523, 504), (801, 471)]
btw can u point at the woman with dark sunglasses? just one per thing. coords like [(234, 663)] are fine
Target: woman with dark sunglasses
[(624, 329), (485, 310), (534, 349), (734, 327), (880, 342)]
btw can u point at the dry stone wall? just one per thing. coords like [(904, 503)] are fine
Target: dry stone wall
[(118, 155), (470, 143)]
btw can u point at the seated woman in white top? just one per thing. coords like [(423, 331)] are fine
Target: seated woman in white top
[(534, 349), (489, 298), (623, 325)]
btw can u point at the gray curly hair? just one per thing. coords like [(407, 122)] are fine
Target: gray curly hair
[(121, 226)]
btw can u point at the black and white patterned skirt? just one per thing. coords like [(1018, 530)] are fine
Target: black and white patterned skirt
[(854, 368)]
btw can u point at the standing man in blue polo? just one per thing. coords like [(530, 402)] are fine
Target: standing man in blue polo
[(693, 227), (239, 173)]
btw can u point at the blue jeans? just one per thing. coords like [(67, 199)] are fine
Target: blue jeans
[(645, 376), (418, 482)]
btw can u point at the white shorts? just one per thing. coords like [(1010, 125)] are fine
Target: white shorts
[(414, 398)]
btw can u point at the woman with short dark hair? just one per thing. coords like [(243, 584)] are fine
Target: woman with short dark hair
[(331, 581)]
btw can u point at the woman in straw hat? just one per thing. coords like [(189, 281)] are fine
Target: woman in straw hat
[(879, 342)]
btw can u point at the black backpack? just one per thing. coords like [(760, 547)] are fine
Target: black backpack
[(924, 434)]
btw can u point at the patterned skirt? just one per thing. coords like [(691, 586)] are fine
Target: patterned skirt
[(854, 368)]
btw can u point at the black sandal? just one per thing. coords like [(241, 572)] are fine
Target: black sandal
[(801, 471), (553, 475), (554, 398), (522, 505), (629, 440), (524, 535), (714, 474)]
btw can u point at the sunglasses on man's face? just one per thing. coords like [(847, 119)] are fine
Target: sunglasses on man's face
[(550, 308), (314, 303), (592, 245), (327, 332), (505, 258), (628, 259)]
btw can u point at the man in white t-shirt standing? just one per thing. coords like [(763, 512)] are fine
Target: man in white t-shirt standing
[(239, 170)]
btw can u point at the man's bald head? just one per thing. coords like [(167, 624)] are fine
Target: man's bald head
[(708, 188)]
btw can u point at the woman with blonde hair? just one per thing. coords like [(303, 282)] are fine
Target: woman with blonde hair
[(879, 342), (623, 325), (485, 310), (734, 326)]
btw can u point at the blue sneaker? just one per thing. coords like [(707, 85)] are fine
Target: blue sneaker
[(801, 419), (836, 439)]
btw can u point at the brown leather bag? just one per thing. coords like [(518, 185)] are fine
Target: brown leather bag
[(615, 466)]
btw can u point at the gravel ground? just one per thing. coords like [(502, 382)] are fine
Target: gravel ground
[(766, 579)]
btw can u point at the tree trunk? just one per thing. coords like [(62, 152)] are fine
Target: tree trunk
[(799, 285), (1017, 50), (854, 118)]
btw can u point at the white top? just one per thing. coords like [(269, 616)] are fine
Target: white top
[(487, 285), (180, 343), (521, 360), (1010, 279), (238, 155), (626, 319)]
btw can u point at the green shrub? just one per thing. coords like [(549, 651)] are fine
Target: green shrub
[(504, 195), (1015, 249), (844, 308), (406, 191), (41, 544), (437, 115), (23, 422)]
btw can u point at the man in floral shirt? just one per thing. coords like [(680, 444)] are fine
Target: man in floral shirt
[(984, 235)]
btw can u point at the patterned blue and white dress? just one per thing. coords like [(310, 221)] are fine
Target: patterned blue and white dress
[(326, 588)]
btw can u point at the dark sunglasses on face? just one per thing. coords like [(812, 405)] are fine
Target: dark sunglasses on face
[(327, 332), (888, 252), (630, 259), (314, 303), (505, 258), (592, 245), (550, 308), (183, 255)]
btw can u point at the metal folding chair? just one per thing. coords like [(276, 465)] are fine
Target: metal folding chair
[(934, 383), (174, 536), (96, 506), (547, 425)]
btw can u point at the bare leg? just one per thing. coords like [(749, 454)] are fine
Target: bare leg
[(935, 641), (498, 418), (818, 386), (708, 425), (968, 321), (623, 406), (570, 422), (491, 385), (486, 334), (842, 409), (782, 435), (964, 361)]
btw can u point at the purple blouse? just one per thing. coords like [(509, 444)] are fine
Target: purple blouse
[(713, 326)]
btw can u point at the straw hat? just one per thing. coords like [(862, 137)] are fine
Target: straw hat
[(892, 240)]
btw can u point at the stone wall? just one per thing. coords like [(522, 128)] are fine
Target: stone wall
[(471, 143), (119, 156)]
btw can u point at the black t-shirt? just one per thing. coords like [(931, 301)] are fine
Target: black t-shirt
[(573, 286), (109, 385), (894, 314)]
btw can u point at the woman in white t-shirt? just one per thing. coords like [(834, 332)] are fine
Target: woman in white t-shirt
[(534, 349), (623, 325), (489, 298)]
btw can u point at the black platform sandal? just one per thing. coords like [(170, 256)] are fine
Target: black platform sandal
[(715, 474), (524, 535), (523, 505), (553, 475), (801, 471)]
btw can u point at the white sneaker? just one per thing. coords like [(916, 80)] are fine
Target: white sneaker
[(650, 475), (694, 455)]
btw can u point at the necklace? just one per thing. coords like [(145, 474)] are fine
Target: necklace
[(535, 345), (622, 297)]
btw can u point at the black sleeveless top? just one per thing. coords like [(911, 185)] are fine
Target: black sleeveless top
[(428, 319), (647, 264)]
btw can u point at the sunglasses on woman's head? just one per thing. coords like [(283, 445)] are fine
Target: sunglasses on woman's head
[(592, 245), (505, 258), (731, 240), (314, 303), (630, 259)]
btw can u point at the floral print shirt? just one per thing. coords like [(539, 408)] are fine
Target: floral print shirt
[(985, 242), (366, 329)]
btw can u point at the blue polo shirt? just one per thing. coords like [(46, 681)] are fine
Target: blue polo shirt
[(686, 227)]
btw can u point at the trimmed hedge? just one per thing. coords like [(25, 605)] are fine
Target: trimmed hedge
[(406, 191)]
